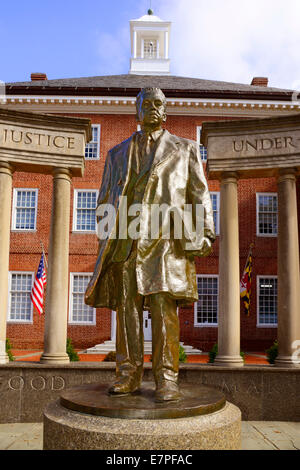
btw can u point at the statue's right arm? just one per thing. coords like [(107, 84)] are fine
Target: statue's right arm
[(106, 182)]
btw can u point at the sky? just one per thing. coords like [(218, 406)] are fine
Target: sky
[(227, 40)]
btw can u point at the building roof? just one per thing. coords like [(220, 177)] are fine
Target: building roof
[(148, 17), (130, 85)]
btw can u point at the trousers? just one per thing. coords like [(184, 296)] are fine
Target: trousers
[(129, 333)]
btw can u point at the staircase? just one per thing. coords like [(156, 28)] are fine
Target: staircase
[(110, 345)]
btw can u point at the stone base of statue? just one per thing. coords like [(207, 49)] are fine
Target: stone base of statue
[(88, 418)]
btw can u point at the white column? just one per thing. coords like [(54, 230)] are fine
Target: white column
[(134, 44), (229, 276), (58, 272), (5, 218), (166, 44), (142, 48), (288, 271)]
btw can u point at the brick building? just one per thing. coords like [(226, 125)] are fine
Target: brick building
[(109, 101)]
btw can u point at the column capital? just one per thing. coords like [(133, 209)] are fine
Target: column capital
[(286, 174), (62, 173), (6, 168), (229, 177)]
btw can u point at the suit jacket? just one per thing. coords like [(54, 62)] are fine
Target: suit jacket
[(163, 264)]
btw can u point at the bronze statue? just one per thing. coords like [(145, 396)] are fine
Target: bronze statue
[(158, 273)]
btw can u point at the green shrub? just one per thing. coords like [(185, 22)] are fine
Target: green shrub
[(71, 351), (8, 350), (182, 354), (272, 352), (214, 351), (212, 354), (110, 357)]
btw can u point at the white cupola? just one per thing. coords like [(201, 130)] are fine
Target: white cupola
[(150, 38)]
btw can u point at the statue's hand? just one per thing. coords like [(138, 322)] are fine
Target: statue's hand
[(206, 247), (204, 250)]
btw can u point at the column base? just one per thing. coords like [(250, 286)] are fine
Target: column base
[(229, 361), (287, 361), (4, 359), (62, 358)]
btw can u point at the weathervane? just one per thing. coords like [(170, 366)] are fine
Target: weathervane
[(150, 11)]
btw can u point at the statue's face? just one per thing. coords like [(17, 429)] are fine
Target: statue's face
[(152, 112)]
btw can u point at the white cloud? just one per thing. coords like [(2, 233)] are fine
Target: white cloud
[(235, 40), (113, 52)]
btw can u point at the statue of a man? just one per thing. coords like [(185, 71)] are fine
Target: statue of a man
[(158, 273)]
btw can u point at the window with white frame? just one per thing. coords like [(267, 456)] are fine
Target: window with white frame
[(267, 214), (79, 311), (92, 149), (266, 300), (203, 150), (206, 309), (19, 304), (215, 200), (84, 215), (24, 209)]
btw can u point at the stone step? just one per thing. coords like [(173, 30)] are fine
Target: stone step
[(110, 345)]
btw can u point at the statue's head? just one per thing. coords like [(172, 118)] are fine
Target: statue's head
[(151, 106)]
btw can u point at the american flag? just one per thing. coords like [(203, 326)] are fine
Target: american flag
[(37, 293)]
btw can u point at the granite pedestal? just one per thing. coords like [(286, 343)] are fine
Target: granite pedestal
[(87, 418)]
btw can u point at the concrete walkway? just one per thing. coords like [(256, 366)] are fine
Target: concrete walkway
[(256, 435)]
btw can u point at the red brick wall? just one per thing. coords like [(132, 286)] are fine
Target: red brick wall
[(26, 251)]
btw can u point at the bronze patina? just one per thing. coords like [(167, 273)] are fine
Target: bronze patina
[(154, 273), (93, 399)]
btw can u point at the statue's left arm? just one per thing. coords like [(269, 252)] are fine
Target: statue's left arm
[(198, 193)]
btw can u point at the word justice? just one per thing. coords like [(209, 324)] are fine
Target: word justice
[(36, 138)]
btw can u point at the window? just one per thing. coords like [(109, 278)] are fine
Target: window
[(92, 149), (24, 209), (79, 311), (206, 309), (150, 48), (215, 199), (19, 305), (203, 150), (267, 214), (84, 218), (266, 301)]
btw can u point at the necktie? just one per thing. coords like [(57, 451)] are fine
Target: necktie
[(147, 144)]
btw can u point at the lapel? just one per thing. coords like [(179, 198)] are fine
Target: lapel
[(130, 161), (167, 146)]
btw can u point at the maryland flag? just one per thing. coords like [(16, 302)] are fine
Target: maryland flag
[(245, 286)]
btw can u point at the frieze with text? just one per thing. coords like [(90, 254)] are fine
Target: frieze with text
[(37, 140), (273, 143)]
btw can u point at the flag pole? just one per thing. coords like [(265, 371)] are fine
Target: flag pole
[(44, 254), (249, 253)]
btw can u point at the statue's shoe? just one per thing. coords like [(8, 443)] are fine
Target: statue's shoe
[(167, 391), (125, 387)]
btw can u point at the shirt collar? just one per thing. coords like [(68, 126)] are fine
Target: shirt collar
[(154, 135)]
